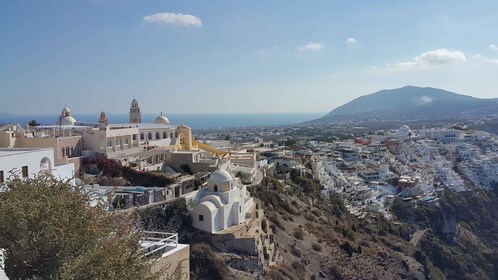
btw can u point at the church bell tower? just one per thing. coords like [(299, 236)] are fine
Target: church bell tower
[(135, 115)]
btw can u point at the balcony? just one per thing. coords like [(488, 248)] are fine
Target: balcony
[(157, 243)]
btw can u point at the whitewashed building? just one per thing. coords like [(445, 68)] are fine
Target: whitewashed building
[(224, 203), (27, 163)]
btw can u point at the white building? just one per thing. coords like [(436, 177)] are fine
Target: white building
[(29, 162), (224, 203)]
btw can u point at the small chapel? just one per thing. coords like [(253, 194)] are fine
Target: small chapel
[(222, 204)]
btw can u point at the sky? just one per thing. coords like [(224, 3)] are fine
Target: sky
[(258, 56)]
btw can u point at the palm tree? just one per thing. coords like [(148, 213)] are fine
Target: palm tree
[(33, 123)]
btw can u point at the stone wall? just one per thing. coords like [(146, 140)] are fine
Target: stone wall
[(174, 266)]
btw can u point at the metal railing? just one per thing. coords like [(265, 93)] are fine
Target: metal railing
[(158, 242)]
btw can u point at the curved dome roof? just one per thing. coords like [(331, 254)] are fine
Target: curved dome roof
[(162, 120), (404, 129), (66, 110), (134, 103), (68, 121), (220, 175)]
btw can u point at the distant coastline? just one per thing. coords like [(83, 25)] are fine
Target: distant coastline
[(196, 121)]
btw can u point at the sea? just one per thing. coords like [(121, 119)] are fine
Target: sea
[(195, 121)]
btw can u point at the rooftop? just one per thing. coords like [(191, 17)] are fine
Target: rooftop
[(143, 125), (16, 151)]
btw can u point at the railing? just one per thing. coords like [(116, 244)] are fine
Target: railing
[(157, 242)]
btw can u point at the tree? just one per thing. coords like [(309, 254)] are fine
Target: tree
[(33, 123), (49, 231)]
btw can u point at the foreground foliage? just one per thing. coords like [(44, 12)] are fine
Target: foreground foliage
[(49, 231)]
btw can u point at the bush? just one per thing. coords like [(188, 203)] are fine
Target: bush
[(309, 217), (298, 267), (317, 247), (49, 231), (346, 246), (276, 220), (298, 233), (295, 251), (264, 226), (205, 264)]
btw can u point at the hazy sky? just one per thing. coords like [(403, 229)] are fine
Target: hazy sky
[(238, 56)]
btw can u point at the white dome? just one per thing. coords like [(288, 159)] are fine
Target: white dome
[(220, 175), (162, 120), (404, 130), (68, 121), (66, 110)]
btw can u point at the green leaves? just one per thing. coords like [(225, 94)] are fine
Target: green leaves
[(49, 231)]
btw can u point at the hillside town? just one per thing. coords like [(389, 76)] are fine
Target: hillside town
[(144, 165)]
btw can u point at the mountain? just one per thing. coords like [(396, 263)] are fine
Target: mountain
[(412, 103)]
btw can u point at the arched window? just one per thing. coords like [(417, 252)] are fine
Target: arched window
[(150, 136), (157, 135), (165, 135), (215, 188), (171, 134), (45, 164), (142, 136)]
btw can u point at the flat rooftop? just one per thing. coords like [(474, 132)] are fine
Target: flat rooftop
[(15, 151), (143, 125)]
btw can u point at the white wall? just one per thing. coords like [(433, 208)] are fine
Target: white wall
[(17, 158)]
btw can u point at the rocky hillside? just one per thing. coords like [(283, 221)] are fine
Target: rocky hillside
[(462, 237), (316, 238)]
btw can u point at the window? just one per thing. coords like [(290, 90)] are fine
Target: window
[(157, 135), (1, 177), (126, 141), (201, 218), (150, 136), (24, 171), (109, 143), (142, 137), (134, 137), (215, 188), (240, 209), (165, 135), (63, 152)]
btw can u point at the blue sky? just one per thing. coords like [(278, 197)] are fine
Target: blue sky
[(238, 56)]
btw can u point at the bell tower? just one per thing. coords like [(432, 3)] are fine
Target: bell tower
[(135, 115)]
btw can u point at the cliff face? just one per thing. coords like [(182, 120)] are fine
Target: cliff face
[(306, 238), (318, 239), (462, 240)]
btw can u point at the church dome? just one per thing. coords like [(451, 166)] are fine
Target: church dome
[(161, 120), (134, 103), (66, 110), (68, 121), (404, 129), (220, 175)]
